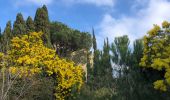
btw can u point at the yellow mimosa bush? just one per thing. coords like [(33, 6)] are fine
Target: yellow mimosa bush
[(28, 56), (156, 53)]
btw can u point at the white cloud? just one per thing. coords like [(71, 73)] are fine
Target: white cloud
[(105, 3), (40, 2), (108, 3), (135, 26), (33, 2)]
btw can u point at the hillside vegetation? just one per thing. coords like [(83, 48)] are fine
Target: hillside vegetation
[(45, 60)]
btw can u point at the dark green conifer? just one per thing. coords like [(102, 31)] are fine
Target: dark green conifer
[(0, 40), (96, 54), (7, 35), (19, 26), (30, 25), (94, 41), (42, 23)]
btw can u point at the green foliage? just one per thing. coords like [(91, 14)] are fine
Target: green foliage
[(165, 24), (19, 27), (94, 41), (106, 71), (42, 24), (89, 68), (130, 81), (101, 76), (77, 41), (121, 57), (99, 94), (138, 51), (6, 37), (96, 57), (120, 50), (66, 40), (30, 25)]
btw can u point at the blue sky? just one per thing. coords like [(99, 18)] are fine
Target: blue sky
[(110, 18)]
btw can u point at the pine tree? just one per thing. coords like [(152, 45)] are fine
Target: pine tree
[(19, 25), (42, 23), (30, 25)]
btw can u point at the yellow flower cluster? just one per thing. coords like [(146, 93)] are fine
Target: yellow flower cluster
[(28, 56), (1, 60), (160, 85), (24, 71), (67, 76)]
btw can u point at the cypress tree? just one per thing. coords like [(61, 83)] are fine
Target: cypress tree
[(0, 41), (7, 35), (96, 69), (30, 25), (106, 68), (96, 64), (0, 35), (106, 55), (89, 69), (19, 25), (94, 41), (45, 9), (42, 23), (8, 30), (95, 55)]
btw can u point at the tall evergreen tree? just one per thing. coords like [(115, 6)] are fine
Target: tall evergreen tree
[(102, 69), (106, 57), (0, 35), (121, 51), (96, 69), (130, 83), (0, 30), (30, 25), (121, 58), (96, 54), (89, 69), (7, 35), (19, 26), (42, 23), (96, 64), (0, 40), (106, 67), (44, 7), (94, 41)]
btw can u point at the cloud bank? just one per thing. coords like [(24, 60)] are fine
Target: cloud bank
[(40, 2), (107, 3), (33, 2), (135, 26)]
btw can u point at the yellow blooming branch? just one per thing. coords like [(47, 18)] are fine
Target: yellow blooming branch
[(28, 57)]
